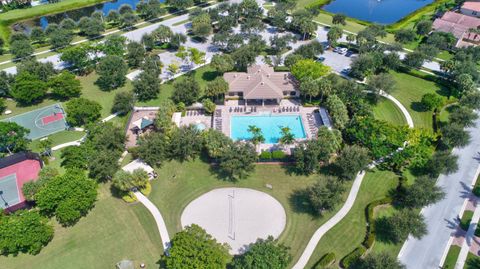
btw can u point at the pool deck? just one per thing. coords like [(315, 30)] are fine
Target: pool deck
[(310, 119)]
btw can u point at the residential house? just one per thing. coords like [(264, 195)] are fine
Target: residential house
[(465, 28), (471, 8)]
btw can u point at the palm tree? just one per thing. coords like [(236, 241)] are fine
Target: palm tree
[(122, 180), (139, 178), (257, 136), (287, 137)]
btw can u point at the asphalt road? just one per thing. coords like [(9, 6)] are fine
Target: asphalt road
[(442, 217)]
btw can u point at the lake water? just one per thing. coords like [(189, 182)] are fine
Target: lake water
[(78, 13), (378, 11)]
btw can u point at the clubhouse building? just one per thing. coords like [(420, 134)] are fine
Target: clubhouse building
[(260, 85)]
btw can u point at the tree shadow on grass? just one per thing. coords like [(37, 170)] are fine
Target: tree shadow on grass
[(210, 75), (418, 107), (383, 231), (473, 263), (299, 202)]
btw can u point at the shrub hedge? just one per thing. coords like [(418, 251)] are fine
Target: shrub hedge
[(369, 210), (265, 155), (276, 155), (325, 261), (353, 256)]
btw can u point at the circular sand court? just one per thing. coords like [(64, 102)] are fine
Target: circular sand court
[(236, 216)]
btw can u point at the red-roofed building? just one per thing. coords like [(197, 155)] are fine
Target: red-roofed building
[(16, 170), (471, 8), (461, 26)]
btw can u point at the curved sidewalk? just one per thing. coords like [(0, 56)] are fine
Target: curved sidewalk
[(402, 108), (312, 244), (162, 228), (320, 232)]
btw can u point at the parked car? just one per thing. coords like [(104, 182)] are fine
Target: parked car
[(346, 71), (349, 53), (321, 59), (336, 49), (342, 50)]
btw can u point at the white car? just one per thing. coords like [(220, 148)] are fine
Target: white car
[(342, 50)]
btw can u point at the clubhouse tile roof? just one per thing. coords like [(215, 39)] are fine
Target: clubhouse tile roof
[(260, 82)]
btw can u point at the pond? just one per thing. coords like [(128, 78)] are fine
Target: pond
[(378, 11), (78, 13)]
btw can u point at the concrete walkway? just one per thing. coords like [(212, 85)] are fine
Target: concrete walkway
[(467, 243), (312, 244), (320, 232), (401, 107), (162, 228), (68, 144)]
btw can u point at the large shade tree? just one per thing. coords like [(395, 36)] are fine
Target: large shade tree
[(264, 253), (24, 231), (194, 248), (68, 197), (12, 138)]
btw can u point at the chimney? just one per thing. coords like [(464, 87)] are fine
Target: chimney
[(248, 77)]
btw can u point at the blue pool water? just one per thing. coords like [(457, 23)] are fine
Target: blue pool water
[(270, 125), (378, 11)]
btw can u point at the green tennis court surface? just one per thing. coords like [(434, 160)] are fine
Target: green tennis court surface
[(42, 122), (9, 191)]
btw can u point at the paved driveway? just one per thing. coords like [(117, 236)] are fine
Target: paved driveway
[(442, 217)]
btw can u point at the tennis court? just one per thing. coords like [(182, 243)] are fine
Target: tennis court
[(9, 193), (42, 122)]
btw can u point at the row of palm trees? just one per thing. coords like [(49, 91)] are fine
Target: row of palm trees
[(287, 137)]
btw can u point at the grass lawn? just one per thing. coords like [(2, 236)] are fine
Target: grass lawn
[(409, 91), (472, 262), (386, 110), (466, 219), (180, 183), (350, 232), (452, 257), (12, 16), (381, 246), (89, 91), (58, 138), (112, 231)]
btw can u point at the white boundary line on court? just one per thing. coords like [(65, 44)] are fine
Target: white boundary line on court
[(38, 119), (16, 186)]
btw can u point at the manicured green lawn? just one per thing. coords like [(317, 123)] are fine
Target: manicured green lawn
[(452, 257), (112, 231), (58, 138), (89, 91), (180, 183), (381, 246), (350, 232), (22, 14), (472, 262), (409, 91), (386, 110), (466, 219)]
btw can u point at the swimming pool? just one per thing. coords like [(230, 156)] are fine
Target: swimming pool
[(270, 126)]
